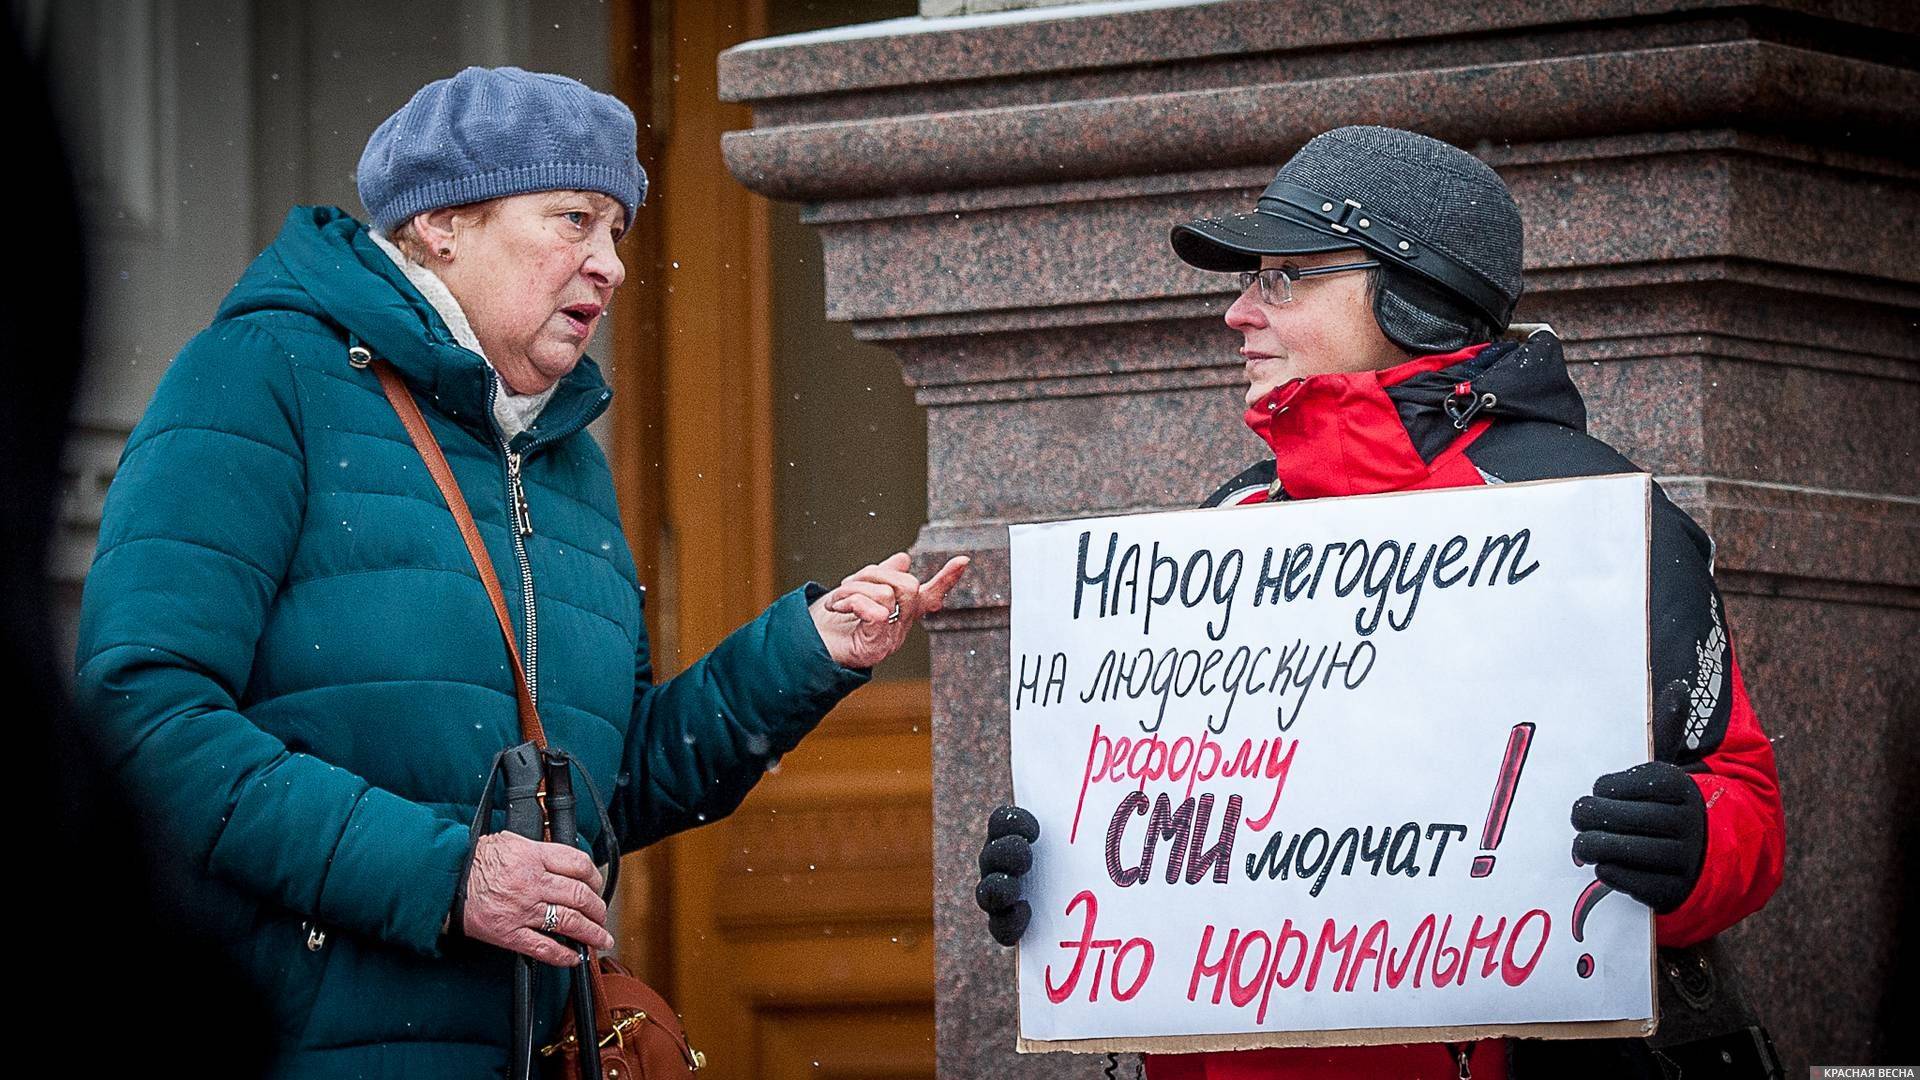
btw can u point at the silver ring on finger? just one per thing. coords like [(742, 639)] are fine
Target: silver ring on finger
[(894, 615), (552, 920)]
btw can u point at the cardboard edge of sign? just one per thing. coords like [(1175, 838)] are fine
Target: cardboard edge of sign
[(1263, 1040)]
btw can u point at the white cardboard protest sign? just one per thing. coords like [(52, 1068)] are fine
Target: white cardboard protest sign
[(1303, 770)]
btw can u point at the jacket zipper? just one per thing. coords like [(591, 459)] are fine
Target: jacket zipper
[(520, 525), (522, 520)]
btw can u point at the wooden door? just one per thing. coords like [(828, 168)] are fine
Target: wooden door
[(796, 936)]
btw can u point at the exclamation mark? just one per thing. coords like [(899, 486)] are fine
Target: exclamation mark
[(1510, 766)]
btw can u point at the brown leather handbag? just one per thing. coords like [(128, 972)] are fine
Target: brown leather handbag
[(640, 1037), (639, 1034)]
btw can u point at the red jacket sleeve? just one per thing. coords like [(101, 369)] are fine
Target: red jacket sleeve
[(1746, 832)]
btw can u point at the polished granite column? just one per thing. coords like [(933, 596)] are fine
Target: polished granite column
[(1721, 204)]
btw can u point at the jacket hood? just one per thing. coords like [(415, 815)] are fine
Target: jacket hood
[(325, 264), (1368, 431)]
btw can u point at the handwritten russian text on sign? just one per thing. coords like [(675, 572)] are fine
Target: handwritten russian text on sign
[(1307, 767)]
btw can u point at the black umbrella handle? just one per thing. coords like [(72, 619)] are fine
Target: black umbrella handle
[(520, 765), (564, 824), (520, 768)]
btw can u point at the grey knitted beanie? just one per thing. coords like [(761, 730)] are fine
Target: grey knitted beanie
[(489, 132)]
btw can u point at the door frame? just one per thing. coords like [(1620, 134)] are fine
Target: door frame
[(694, 480), (691, 443)]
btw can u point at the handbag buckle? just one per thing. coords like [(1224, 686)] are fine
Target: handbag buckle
[(620, 1026), (617, 1035), (557, 1047)]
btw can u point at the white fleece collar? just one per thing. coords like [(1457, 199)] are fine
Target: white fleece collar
[(514, 412)]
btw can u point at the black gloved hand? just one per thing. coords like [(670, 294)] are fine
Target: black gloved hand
[(1007, 854), (1645, 833)]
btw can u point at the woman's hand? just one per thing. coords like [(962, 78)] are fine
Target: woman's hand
[(513, 884), (866, 619)]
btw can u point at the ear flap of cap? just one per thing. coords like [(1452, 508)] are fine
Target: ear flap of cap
[(1419, 318)]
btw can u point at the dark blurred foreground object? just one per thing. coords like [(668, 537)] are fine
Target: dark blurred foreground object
[(89, 904)]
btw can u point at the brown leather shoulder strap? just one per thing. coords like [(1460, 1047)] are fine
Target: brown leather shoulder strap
[(442, 474)]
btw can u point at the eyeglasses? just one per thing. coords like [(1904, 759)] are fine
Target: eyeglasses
[(1276, 282)]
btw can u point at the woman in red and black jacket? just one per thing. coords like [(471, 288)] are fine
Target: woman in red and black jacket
[(1376, 272)]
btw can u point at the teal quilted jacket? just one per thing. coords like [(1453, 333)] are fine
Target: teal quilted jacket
[(287, 656)]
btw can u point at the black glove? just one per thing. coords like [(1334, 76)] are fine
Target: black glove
[(1645, 833), (1007, 854)]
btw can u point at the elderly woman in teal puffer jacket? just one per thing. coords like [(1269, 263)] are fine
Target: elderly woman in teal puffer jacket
[(285, 650)]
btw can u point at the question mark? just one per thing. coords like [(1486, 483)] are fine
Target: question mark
[(1595, 892)]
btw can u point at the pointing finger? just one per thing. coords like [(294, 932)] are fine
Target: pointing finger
[(933, 594)]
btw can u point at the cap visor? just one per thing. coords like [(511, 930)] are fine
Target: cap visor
[(1237, 242)]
